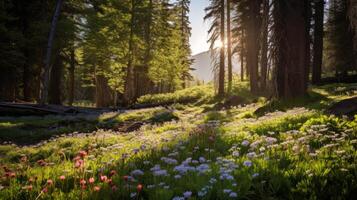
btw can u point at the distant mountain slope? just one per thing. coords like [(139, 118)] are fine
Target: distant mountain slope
[(203, 65)]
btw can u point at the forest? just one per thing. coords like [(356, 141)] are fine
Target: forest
[(99, 99)]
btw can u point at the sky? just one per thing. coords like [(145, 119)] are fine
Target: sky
[(198, 40)]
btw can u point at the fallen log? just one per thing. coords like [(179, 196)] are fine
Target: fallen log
[(28, 109), (346, 107)]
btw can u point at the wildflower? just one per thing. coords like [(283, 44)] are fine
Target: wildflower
[(255, 175), (233, 195), (114, 188), (202, 160), (245, 143), (126, 178), (82, 182), (91, 180), (49, 182), (251, 155), (103, 178), (150, 186), (132, 195), (137, 172), (28, 187), (79, 163), (42, 163), (62, 178), (96, 188), (112, 173), (139, 187), (160, 173), (235, 153), (178, 198), (187, 194), (44, 190), (82, 154), (201, 193), (177, 176), (247, 163), (227, 191)]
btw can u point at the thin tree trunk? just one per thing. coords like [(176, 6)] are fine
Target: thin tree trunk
[(45, 77), (318, 41), (264, 53), (129, 82), (103, 95), (54, 93), (71, 78), (221, 55), (242, 57), (229, 46)]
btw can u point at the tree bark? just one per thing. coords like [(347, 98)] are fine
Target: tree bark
[(318, 41), (71, 78), (129, 81), (55, 87), (253, 25), (291, 36), (221, 54), (45, 77), (229, 46), (103, 95), (264, 54)]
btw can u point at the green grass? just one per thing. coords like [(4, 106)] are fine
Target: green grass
[(296, 153)]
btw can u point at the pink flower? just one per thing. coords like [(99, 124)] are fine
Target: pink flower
[(44, 190), (79, 163), (49, 182), (82, 154), (103, 178), (82, 182), (96, 188), (139, 187), (91, 180), (112, 173), (62, 178)]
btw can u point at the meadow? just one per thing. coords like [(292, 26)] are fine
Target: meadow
[(287, 150)]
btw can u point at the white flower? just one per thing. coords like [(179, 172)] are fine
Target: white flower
[(160, 173), (133, 194), (187, 194), (178, 198), (166, 187), (202, 193), (245, 143), (150, 186), (227, 191), (146, 162), (177, 176), (247, 163), (212, 180), (271, 140), (233, 195), (137, 172), (251, 155), (235, 153)]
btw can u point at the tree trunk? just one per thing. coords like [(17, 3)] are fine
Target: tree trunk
[(103, 95), (229, 46), (221, 55), (264, 54), (242, 57), (45, 76), (26, 77), (71, 78), (318, 41), (291, 36), (253, 43), (54, 93), (129, 81)]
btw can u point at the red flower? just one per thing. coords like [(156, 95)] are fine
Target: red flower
[(112, 173), (96, 188), (114, 188), (91, 180), (125, 178), (62, 178), (103, 178), (41, 163), (49, 182), (44, 190), (79, 163), (139, 187), (82, 154), (82, 182)]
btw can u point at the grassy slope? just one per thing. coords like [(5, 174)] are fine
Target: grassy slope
[(296, 153)]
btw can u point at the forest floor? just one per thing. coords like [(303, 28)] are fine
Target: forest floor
[(257, 150)]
